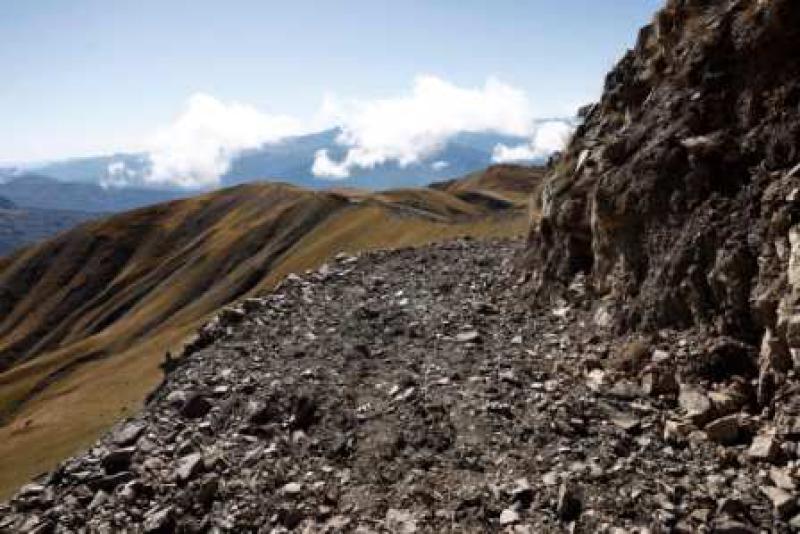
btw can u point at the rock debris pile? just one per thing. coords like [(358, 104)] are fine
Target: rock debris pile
[(415, 391)]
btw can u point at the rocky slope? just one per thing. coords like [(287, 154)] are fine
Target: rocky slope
[(413, 391), (85, 318), (680, 194)]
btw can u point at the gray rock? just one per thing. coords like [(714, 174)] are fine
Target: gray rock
[(783, 501), (782, 479), (401, 521), (509, 517), (160, 521), (569, 505), (695, 403), (196, 406), (764, 448), (129, 434), (724, 430), (118, 460), (292, 488), (470, 336), (189, 467)]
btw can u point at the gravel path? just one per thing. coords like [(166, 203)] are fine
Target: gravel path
[(414, 391)]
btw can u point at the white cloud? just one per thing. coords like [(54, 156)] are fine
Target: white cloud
[(325, 166), (118, 175), (439, 165), (548, 137), (408, 128), (197, 148)]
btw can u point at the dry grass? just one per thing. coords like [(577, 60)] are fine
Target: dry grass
[(93, 363)]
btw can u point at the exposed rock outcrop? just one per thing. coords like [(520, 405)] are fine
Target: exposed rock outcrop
[(680, 192)]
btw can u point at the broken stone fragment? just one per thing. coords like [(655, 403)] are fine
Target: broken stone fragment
[(470, 336), (129, 434), (783, 501), (764, 448), (696, 404), (726, 402), (292, 489), (196, 406), (676, 431), (569, 504), (509, 517), (160, 521), (724, 430), (118, 460), (781, 478), (189, 467), (659, 382), (401, 521)]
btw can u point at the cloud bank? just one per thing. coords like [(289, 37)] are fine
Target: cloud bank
[(548, 137), (197, 148), (408, 128)]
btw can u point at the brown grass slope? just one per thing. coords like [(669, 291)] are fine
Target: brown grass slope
[(85, 318)]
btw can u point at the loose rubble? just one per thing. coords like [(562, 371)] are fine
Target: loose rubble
[(414, 391)]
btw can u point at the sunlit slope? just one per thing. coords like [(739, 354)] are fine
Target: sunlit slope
[(85, 318)]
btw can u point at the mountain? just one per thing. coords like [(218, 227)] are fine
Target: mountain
[(291, 160), (43, 192), (93, 169), (86, 317), (20, 227)]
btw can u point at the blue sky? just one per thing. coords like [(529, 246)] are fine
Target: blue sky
[(86, 76)]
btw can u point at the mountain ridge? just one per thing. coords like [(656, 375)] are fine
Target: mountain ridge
[(129, 287)]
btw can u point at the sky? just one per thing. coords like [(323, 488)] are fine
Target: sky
[(83, 77)]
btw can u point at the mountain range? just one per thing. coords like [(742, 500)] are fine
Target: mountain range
[(291, 160)]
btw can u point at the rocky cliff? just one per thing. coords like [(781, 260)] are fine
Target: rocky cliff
[(680, 192)]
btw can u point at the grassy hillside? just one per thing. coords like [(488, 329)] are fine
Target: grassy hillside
[(86, 318)]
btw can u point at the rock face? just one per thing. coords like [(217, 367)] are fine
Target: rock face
[(679, 195)]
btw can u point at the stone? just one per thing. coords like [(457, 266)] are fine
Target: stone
[(782, 479), (509, 517), (160, 521), (189, 466), (292, 488), (196, 406), (400, 521), (470, 336), (764, 448), (783, 502), (625, 421), (129, 434), (118, 460), (724, 430), (660, 356), (695, 403), (726, 402), (732, 507), (30, 490), (522, 493), (676, 431), (659, 382), (569, 505), (100, 498)]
